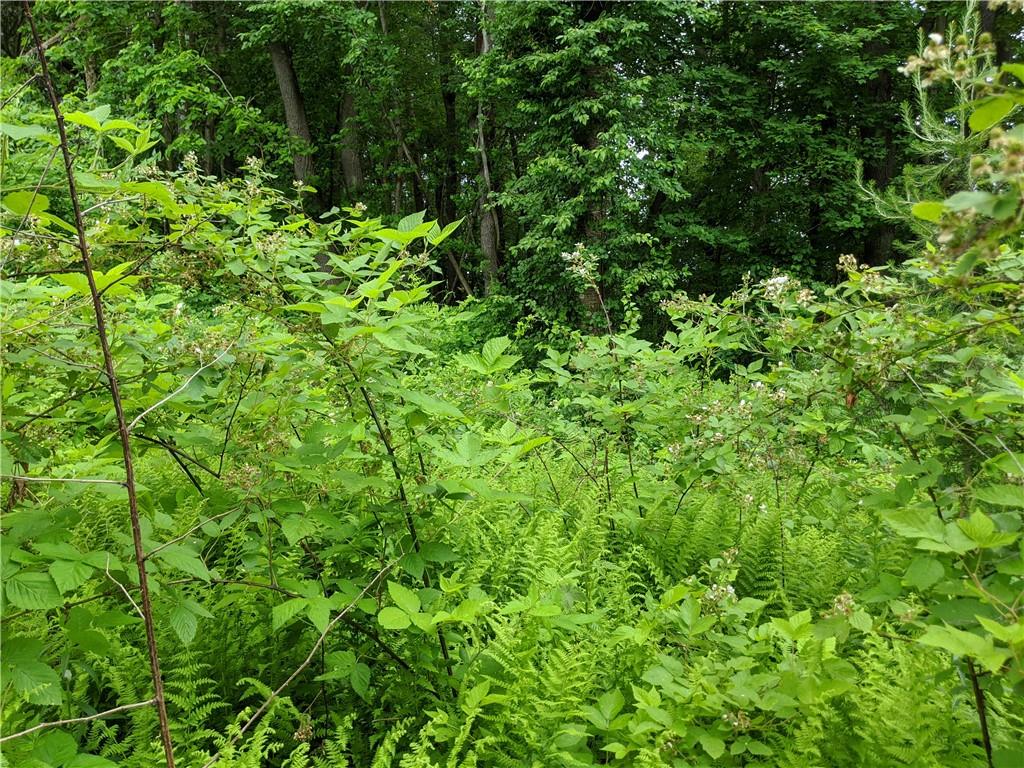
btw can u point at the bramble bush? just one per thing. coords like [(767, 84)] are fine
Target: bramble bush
[(788, 533)]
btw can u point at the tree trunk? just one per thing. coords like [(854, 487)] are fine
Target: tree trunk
[(351, 166), (294, 108), (881, 169), (490, 230)]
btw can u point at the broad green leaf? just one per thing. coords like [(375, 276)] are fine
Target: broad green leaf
[(69, 575), (436, 238), (404, 597), (961, 643), (431, 405), (360, 680), (319, 612), (284, 612), (393, 618), (84, 119), (929, 210), (713, 745), (21, 203), (1004, 495), (55, 747), (923, 572), (983, 202), (411, 221), (990, 112), (37, 681), (32, 590), (184, 559), (184, 623), (24, 131), (297, 527)]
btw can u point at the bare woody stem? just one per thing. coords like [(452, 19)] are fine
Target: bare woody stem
[(115, 393), (75, 720)]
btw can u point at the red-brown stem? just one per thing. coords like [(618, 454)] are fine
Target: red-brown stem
[(115, 394), (979, 705)]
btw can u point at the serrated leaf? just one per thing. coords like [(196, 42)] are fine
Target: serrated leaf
[(23, 131), (184, 623), (32, 590), (83, 119), (69, 575), (404, 597), (961, 643), (713, 745), (24, 202), (319, 612), (1004, 495), (923, 572), (393, 618), (432, 406), (297, 527), (55, 747), (438, 237), (36, 680), (184, 559), (283, 613), (360, 679)]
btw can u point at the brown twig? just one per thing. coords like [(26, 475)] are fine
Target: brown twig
[(115, 394), (979, 703), (73, 720)]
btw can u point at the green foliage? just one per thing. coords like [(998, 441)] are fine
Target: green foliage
[(787, 531)]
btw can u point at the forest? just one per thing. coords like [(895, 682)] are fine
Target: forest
[(497, 384)]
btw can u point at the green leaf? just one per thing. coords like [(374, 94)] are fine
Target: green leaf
[(411, 221), (69, 575), (32, 590), (39, 682), (297, 527), (153, 190), (21, 203), (286, 611), (393, 618), (440, 237), (184, 623), (983, 202), (184, 559), (990, 112), (55, 747), (23, 131), (404, 597), (1017, 70), (961, 643), (84, 119), (713, 745), (1002, 495), (319, 612), (360, 679), (923, 572), (431, 405), (929, 210)]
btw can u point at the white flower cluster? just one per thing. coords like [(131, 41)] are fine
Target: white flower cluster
[(738, 720), (847, 263), (719, 593), (843, 605), (775, 287), (581, 264)]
